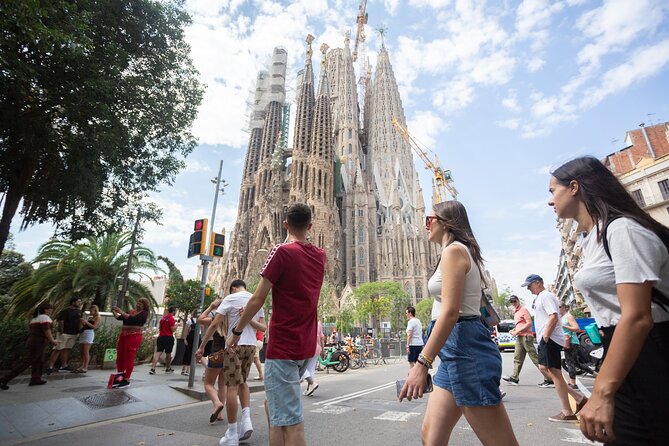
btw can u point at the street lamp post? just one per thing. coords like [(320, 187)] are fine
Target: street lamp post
[(203, 280)]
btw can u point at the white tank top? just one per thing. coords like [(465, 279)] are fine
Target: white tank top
[(471, 300)]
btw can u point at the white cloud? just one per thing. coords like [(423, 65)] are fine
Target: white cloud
[(539, 207), (644, 63), (391, 6), (194, 166), (512, 124), (535, 64), (511, 101), (509, 267), (436, 4), (425, 125), (545, 171)]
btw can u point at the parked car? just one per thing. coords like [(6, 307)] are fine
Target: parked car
[(505, 340)]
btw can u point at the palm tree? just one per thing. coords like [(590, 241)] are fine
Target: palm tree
[(92, 269)]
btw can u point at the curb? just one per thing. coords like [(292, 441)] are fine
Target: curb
[(198, 393)]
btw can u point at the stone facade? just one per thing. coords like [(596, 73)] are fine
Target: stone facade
[(361, 183)]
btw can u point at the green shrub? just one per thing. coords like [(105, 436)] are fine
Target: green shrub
[(105, 337), (14, 332)]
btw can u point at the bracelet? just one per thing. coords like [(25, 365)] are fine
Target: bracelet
[(235, 332), (427, 361), (422, 362)]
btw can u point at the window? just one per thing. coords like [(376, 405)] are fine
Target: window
[(361, 235), (664, 188), (361, 257), (360, 212), (638, 197), (350, 133), (350, 148), (362, 277)]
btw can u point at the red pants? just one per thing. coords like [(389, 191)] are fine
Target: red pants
[(126, 349)]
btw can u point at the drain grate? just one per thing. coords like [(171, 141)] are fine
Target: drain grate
[(108, 399), (80, 389)]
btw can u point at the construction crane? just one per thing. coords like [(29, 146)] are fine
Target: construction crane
[(443, 181), (360, 34)]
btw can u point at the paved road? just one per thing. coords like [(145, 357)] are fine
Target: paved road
[(356, 407)]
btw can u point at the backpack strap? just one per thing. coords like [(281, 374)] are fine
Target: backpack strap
[(656, 295)]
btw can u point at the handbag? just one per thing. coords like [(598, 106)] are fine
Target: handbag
[(489, 315)]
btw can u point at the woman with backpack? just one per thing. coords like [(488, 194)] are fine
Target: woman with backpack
[(625, 282)]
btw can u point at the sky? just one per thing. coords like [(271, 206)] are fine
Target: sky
[(502, 91)]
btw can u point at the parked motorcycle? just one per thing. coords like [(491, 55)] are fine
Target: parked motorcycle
[(589, 355)]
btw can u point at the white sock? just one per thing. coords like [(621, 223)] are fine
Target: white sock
[(232, 429), (246, 412)]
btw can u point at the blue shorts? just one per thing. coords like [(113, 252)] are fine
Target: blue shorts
[(414, 351), (282, 389), (471, 365)]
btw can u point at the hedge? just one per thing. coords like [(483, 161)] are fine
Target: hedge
[(15, 333)]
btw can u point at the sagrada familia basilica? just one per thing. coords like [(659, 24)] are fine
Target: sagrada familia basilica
[(356, 172)]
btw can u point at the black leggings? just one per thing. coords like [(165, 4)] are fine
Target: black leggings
[(642, 402)]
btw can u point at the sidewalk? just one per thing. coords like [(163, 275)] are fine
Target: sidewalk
[(71, 399)]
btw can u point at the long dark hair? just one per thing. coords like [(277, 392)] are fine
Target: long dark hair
[(454, 216), (41, 308), (604, 196)]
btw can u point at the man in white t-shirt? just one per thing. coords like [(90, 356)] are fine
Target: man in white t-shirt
[(551, 342), (414, 336), (236, 364)]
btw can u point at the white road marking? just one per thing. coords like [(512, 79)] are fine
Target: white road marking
[(396, 416), (575, 436), (584, 390), (332, 410), (352, 395)]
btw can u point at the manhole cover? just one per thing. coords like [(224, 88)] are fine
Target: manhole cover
[(108, 399), (81, 389)]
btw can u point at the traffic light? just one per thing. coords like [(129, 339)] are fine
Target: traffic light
[(216, 245), (196, 245)]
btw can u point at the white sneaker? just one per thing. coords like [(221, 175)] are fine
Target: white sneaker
[(244, 428), (306, 391), (312, 390), (229, 440)]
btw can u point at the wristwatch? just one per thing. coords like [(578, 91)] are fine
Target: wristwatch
[(235, 332)]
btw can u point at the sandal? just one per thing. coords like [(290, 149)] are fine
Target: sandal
[(214, 416)]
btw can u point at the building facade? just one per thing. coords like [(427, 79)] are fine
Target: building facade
[(359, 179)]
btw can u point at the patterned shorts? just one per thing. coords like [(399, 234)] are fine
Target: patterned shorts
[(236, 366)]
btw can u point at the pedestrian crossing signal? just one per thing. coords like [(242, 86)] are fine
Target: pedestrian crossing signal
[(217, 245), (197, 242)]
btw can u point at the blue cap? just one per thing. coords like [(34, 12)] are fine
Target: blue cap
[(532, 278)]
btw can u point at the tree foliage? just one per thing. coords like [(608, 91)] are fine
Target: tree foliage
[(345, 319), (501, 301), (186, 295), (375, 300), (92, 269), (97, 100), (175, 276), (13, 268), (424, 311)]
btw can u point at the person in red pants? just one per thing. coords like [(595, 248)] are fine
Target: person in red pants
[(40, 334), (130, 337)]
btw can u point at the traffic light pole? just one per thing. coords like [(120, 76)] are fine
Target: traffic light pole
[(203, 281)]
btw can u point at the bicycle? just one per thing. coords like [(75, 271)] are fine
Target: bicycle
[(354, 354), (335, 359)]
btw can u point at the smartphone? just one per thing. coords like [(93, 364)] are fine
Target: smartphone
[(400, 383)]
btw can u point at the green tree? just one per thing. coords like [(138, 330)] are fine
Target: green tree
[(175, 275), (98, 98), (501, 301), (326, 306), (424, 311), (92, 269), (344, 321), (398, 320), (13, 268), (186, 295), (375, 300)]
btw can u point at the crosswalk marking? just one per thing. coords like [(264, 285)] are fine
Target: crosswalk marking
[(575, 436), (396, 416), (332, 410)]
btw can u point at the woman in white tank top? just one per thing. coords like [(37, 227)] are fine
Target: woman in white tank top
[(467, 381)]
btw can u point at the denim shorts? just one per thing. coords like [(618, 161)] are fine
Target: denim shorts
[(282, 389), (471, 365)]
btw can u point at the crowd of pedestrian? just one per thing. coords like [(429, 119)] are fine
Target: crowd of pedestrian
[(623, 279)]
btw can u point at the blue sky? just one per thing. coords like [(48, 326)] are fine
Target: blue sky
[(502, 91)]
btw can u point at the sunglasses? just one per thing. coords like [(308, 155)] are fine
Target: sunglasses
[(430, 219)]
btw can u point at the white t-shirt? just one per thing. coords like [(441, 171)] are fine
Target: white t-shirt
[(638, 256), (230, 307), (416, 329), (544, 305)]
